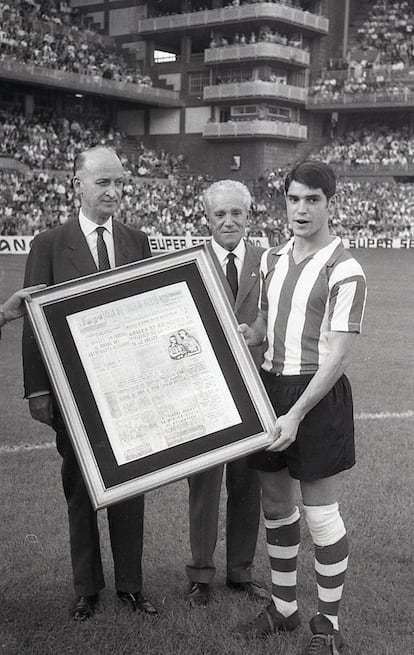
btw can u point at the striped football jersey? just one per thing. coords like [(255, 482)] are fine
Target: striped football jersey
[(303, 302)]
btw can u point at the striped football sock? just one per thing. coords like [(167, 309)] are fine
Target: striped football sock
[(283, 538), (331, 563)]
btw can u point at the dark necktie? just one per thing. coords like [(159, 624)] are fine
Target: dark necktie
[(231, 273), (103, 259)]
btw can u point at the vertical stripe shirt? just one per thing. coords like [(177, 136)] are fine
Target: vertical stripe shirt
[(302, 303)]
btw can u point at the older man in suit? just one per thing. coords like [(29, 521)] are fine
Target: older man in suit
[(227, 204), (87, 243)]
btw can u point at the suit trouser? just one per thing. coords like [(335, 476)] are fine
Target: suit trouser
[(242, 521), (125, 521)]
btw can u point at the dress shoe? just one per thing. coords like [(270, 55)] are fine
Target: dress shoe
[(137, 601), (250, 587), (198, 594), (84, 607)]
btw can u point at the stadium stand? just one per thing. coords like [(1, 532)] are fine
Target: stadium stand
[(161, 196), (49, 34), (173, 207), (200, 5), (264, 35), (53, 143), (381, 60), (369, 145)]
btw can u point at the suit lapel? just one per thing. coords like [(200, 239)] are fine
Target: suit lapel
[(249, 274), (124, 254), (77, 250)]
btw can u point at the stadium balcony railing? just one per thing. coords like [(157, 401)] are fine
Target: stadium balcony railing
[(255, 128), (29, 73), (344, 169), (255, 89), (212, 17), (403, 98), (254, 51), (387, 71)]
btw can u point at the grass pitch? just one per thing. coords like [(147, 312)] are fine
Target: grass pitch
[(376, 502)]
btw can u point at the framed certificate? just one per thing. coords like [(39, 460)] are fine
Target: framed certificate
[(153, 380)]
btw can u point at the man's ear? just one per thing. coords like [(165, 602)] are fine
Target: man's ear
[(76, 184)]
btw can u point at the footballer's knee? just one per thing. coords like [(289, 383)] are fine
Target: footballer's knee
[(278, 495), (325, 523)]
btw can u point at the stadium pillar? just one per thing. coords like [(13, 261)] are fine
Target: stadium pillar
[(28, 105), (346, 29)]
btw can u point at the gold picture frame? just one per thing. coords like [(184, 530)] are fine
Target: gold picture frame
[(153, 380)]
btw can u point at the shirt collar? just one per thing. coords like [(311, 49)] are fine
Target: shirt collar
[(319, 255), (87, 226), (221, 253)]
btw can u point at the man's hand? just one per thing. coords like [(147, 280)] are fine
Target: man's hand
[(14, 306), (255, 333), (283, 432), (247, 332), (41, 408)]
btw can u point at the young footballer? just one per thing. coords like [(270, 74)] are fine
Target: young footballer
[(311, 309)]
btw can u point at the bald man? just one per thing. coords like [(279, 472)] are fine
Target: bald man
[(87, 243)]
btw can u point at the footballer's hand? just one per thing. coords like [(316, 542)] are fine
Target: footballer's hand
[(41, 408), (283, 433)]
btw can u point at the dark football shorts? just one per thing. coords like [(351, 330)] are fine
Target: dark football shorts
[(324, 444)]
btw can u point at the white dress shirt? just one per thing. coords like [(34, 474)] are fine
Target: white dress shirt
[(222, 255), (88, 228)]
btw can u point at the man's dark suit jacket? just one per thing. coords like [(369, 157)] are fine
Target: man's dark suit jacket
[(63, 254), (243, 489), (245, 306), (59, 255)]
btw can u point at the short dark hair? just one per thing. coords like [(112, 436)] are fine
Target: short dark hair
[(314, 174)]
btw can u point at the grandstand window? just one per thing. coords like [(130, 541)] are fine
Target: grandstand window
[(162, 57), (236, 76), (298, 78), (280, 112), (197, 56), (44, 102), (89, 106), (10, 99), (197, 82), (244, 110)]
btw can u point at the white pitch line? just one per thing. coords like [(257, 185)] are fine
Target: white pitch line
[(27, 447), (364, 416)]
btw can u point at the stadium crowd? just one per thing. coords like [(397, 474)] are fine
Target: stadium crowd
[(265, 35), (370, 146), (381, 62), (387, 36), (160, 8), (352, 88), (48, 33), (53, 142), (173, 206)]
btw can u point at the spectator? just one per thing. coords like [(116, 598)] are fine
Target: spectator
[(49, 34)]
